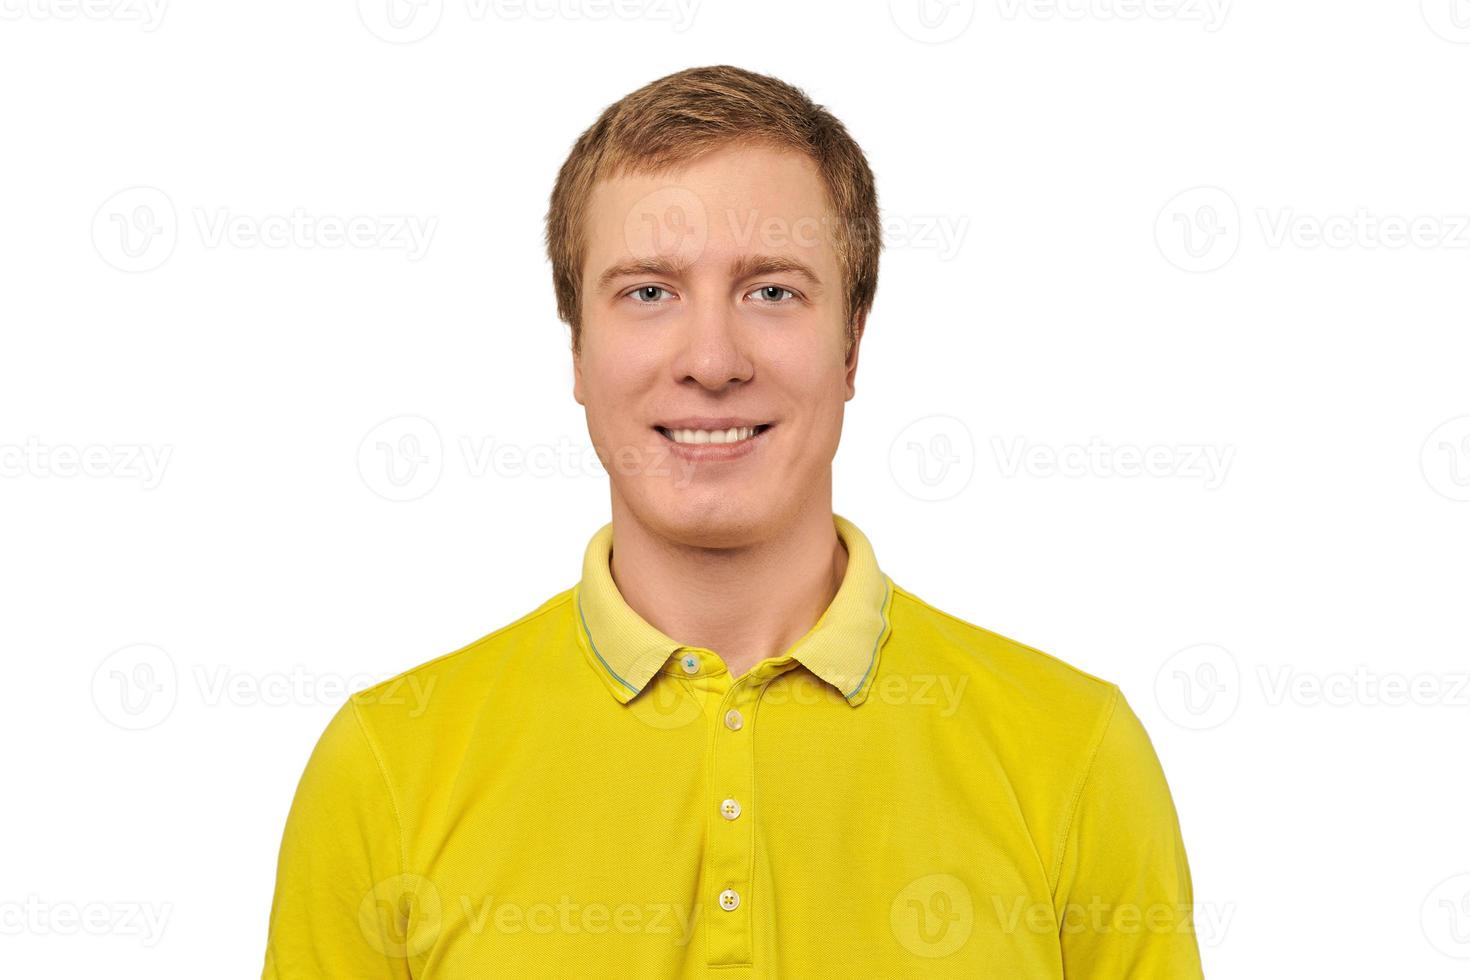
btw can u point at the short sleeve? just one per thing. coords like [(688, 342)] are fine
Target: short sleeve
[(337, 909), (1123, 896)]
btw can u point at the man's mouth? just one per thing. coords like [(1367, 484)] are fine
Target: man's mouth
[(695, 437)]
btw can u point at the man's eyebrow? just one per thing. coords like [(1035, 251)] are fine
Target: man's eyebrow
[(667, 268), (745, 267), (750, 266)]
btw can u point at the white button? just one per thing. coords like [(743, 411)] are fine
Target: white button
[(729, 900), (733, 720), (730, 809), (690, 663)]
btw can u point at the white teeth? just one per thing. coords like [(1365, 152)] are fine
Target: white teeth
[(697, 436)]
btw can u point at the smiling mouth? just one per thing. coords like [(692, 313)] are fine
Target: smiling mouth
[(699, 437)]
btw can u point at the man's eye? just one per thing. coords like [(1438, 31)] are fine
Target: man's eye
[(647, 294), (773, 294)]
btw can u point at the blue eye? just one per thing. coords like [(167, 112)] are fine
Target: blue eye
[(771, 295), (641, 294)]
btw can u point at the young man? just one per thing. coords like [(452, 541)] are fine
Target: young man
[(735, 748)]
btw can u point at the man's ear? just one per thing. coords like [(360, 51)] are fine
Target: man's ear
[(577, 377), (859, 322)]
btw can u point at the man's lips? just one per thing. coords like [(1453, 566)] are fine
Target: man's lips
[(700, 435), (712, 422)]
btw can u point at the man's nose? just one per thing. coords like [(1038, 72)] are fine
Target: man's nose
[(712, 349)]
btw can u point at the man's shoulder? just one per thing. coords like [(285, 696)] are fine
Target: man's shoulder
[(1008, 662), (1009, 682), (449, 683), (1037, 719)]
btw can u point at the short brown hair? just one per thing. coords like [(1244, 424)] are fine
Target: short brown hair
[(673, 120)]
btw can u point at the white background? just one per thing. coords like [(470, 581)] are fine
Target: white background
[(1234, 238)]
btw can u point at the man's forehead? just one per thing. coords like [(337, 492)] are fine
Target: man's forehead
[(748, 205), (727, 171)]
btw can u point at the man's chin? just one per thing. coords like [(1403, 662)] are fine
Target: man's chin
[(712, 518)]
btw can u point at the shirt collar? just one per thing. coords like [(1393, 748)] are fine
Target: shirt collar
[(841, 647)]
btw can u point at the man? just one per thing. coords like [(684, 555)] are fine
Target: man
[(735, 748)]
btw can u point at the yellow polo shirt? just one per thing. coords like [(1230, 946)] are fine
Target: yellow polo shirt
[(901, 794)]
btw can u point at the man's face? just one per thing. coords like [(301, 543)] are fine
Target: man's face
[(713, 293)]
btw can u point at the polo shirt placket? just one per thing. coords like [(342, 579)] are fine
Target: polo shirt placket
[(729, 864), (729, 859)]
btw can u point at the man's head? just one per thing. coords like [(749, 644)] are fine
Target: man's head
[(714, 245)]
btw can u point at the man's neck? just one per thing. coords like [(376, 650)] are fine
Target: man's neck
[(745, 603)]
